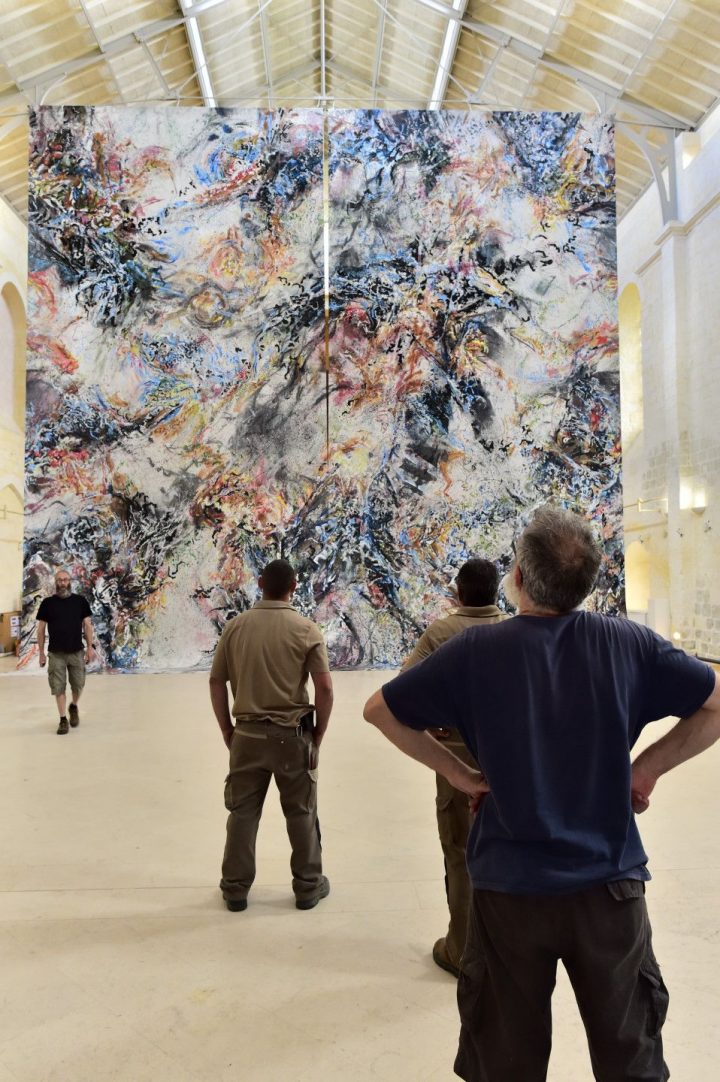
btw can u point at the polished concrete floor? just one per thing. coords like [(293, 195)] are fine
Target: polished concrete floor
[(119, 961)]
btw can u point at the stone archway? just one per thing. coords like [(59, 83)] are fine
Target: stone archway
[(11, 538), (12, 356)]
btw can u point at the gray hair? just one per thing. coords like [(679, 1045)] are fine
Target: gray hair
[(559, 558)]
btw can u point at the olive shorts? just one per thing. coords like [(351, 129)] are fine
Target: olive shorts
[(64, 667)]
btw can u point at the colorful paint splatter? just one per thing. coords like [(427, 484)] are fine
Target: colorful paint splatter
[(175, 402), (474, 355), (182, 426)]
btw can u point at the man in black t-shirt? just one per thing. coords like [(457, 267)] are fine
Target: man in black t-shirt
[(67, 617), (550, 704)]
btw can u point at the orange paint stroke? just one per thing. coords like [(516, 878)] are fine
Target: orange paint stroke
[(52, 352), (42, 283)]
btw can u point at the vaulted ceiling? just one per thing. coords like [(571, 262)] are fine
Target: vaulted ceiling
[(654, 64)]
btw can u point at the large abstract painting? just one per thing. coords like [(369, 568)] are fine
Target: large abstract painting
[(474, 363), (176, 417), (210, 385)]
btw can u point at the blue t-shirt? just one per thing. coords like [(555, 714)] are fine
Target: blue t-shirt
[(550, 707)]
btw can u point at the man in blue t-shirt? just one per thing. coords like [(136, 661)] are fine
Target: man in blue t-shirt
[(550, 704)]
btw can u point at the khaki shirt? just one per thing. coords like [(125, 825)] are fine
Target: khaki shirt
[(266, 653), (449, 626)]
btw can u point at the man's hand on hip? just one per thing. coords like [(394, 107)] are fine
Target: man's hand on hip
[(474, 783), (642, 783)]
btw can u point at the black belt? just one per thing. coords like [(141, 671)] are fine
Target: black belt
[(304, 725)]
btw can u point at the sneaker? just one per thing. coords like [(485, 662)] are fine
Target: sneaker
[(440, 958), (63, 727), (310, 903), (74, 716), (236, 905)]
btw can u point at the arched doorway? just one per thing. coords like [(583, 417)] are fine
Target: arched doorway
[(631, 374), (12, 424)]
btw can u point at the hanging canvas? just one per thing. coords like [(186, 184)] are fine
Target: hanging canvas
[(175, 410), (210, 385), (473, 350)]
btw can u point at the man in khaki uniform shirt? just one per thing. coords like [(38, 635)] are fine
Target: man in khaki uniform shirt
[(477, 587), (266, 654)]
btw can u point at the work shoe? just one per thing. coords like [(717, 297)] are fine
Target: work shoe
[(74, 716), (310, 903), (440, 958), (62, 727), (236, 905)]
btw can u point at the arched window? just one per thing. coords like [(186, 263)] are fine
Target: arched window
[(637, 577), (12, 357), (631, 377), (11, 535)]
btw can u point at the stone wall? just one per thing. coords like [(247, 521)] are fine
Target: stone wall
[(673, 466), (13, 274)]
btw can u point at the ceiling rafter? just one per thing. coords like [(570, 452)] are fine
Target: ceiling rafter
[(119, 47), (656, 33), (447, 56), (643, 112), (647, 62), (360, 78), (414, 37), (323, 55), (562, 4), (201, 72), (266, 54)]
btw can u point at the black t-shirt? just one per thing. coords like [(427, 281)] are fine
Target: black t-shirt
[(64, 617), (551, 707)]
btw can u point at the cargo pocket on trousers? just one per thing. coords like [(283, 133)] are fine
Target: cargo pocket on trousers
[(658, 996), (228, 793), (311, 760), (443, 808), (453, 823)]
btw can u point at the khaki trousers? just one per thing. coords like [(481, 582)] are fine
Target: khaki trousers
[(454, 819), (260, 751)]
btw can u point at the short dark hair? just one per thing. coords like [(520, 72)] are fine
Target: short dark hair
[(477, 582), (559, 559), (278, 579)]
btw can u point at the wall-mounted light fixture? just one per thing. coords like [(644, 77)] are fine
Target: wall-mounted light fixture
[(642, 504), (692, 496)]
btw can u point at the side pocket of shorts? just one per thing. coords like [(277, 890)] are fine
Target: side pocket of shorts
[(228, 793), (470, 989), (658, 995)]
